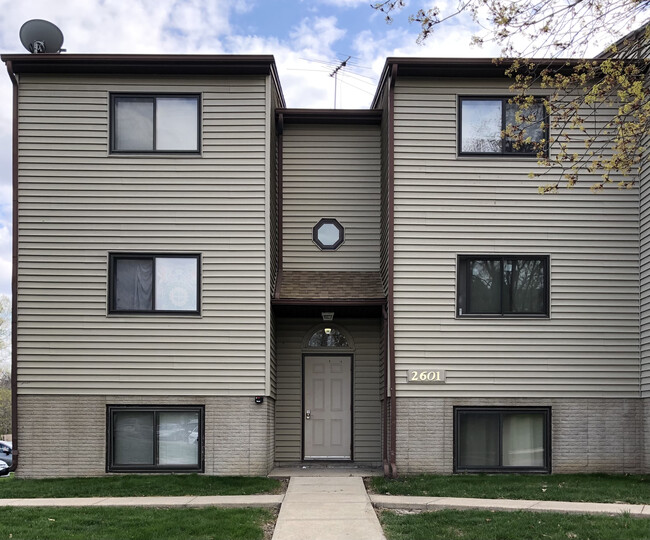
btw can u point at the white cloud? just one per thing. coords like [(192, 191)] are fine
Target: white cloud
[(345, 3)]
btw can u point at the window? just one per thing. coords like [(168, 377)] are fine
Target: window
[(503, 286), (160, 123), (484, 119), (328, 337), (328, 234), (154, 283), (514, 439), (155, 438)]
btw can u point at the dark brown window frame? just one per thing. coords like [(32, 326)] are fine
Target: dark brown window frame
[(328, 221), (153, 96), (112, 261), (547, 411), (462, 278), (156, 409), (504, 100)]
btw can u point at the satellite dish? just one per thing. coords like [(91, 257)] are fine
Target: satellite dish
[(39, 36)]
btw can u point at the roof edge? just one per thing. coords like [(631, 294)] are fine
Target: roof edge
[(141, 63)]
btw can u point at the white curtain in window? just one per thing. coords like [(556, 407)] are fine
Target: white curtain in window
[(176, 283), (523, 440), (176, 124)]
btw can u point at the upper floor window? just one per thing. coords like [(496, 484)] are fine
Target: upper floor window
[(484, 122), (154, 123), (152, 283), (328, 234), (503, 286)]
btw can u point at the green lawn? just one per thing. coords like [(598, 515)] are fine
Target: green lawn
[(486, 525), (134, 523), (136, 485), (606, 488)]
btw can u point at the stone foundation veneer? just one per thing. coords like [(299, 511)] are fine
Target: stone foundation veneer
[(66, 435), (588, 435)]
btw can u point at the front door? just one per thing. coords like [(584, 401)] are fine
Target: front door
[(327, 407)]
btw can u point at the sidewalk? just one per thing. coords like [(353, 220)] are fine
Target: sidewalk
[(327, 508), (395, 502), (223, 501)]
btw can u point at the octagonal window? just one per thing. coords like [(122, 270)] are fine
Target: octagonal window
[(328, 234)]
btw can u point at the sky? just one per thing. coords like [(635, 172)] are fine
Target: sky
[(308, 38)]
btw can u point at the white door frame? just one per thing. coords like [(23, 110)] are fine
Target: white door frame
[(305, 357)]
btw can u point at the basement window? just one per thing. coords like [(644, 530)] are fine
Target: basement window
[(502, 439), (152, 439)]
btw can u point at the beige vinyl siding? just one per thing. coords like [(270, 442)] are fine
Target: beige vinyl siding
[(78, 203), (447, 206), (366, 390), (644, 229), (331, 171)]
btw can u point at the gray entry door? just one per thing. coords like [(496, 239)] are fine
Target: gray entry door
[(327, 407)]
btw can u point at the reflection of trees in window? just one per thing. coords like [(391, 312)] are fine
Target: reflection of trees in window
[(503, 285), (328, 337), (524, 282), (485, 286)]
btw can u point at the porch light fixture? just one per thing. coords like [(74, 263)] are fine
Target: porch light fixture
[(328, 315)]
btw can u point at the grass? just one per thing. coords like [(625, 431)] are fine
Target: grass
[(605, 488), (486, 525), (134, 523), (136, 485)]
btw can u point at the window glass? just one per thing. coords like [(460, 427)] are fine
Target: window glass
[(484, 122), (523, 440), (524, 281), (484, 295), (479, 440), (328, 337), (151, 438), (151, 123), (154, 283), (529, 124), (177, 438), (503, 285), (134, 284), (176, 283), (481, 127), (328, 234), (133, 124), (492, 439), (176, 123), (133, 438)]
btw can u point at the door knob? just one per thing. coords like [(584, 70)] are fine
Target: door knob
[(307, 414)]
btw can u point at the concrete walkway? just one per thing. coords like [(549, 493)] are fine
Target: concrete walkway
[(327, 508), (394, 502), (223, 501)]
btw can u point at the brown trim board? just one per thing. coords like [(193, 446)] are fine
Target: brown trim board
[(391, 267)]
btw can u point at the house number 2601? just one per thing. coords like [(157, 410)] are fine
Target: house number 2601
[(424, 376)]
